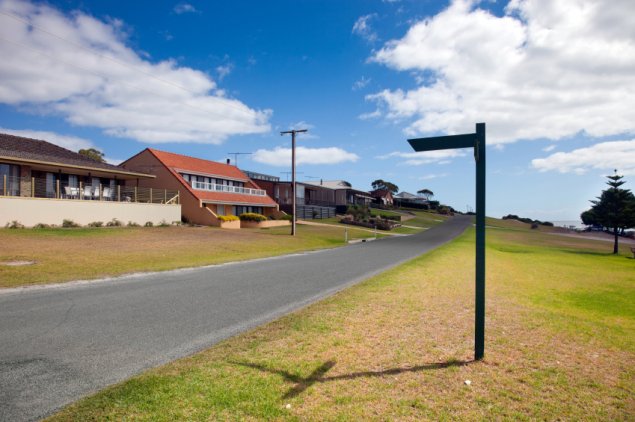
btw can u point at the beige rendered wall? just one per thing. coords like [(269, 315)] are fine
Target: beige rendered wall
[(191, 208), (31, 211)]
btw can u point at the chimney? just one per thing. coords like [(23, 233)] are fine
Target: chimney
[(228, 161)]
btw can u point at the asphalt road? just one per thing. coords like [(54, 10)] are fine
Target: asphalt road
[(58, 344)]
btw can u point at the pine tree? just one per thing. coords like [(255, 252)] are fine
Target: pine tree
[(613, 209)]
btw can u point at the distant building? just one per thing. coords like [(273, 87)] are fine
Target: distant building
[(41, 182), (208, 189), (405, 198), (382, 197)]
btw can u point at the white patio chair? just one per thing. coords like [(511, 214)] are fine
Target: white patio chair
[(88, 192), (67, 192), (74, 192), (106, 194), (96, 192)]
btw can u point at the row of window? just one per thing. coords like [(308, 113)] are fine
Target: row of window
[(211, 180), (236, 209)]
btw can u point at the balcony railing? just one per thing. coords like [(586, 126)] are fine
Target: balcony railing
[(33, 187), (212, 187)]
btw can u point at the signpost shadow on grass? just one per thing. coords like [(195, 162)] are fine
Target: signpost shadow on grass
[(317, 376), (477, 141)]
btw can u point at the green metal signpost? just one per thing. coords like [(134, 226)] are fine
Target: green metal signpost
[(476, 141)]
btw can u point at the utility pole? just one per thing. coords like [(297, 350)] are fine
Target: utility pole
[(293, 132), (236, 154)]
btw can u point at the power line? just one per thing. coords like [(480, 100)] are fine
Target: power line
[(97, 53)]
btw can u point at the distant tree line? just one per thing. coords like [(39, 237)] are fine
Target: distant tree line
[(527, 220)]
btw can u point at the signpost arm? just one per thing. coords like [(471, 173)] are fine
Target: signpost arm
[(479, 155)]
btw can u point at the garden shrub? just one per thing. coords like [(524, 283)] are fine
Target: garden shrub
[(114, 223), (163, 223), (252, 216), (41, 226), (69, 224), (132, 224), (148, 224), (96, 224), (14, 225), (228, 218)]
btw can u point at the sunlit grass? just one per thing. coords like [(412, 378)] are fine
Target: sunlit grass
[(87, 253), (559, 346)]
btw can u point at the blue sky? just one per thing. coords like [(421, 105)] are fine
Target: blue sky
[(554, 82)]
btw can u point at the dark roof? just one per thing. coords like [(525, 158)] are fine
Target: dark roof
[(20, 148)]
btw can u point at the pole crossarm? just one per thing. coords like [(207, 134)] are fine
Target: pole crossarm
[(436, 143)]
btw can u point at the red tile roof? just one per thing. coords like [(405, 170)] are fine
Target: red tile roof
[(177, 162), (183, 162)]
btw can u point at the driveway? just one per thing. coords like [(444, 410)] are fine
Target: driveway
[(61, 343)]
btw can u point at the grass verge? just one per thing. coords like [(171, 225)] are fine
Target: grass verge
[(399, 346), (88, 253)]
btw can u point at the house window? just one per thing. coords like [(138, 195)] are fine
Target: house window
[(12, 174), (220, 209), (240, 209)]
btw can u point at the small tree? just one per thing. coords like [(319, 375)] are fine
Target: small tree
[(382, 184), (426, 193), (93, 154), (613, 209)]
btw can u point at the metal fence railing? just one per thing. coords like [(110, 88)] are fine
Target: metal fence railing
[(36, 187), (226, 188)]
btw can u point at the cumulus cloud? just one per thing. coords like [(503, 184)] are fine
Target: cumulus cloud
[(73, 143), (606, 156), (543, 70), (425, 157), (281, 156), (364, 29), (181, 8), (81, 68)]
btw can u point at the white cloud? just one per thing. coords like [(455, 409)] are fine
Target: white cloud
[(80, 67), (370, 115), (549, 148), (181, 8), (425, 157), (73, 143), (361, 83), (364, 29), (606, 156), (281, 156), (543, 70), (433, 176), (224, 70)]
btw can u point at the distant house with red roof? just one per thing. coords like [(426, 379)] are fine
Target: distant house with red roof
[(382, 197), (208, 189)]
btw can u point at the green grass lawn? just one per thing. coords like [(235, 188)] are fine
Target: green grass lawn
[(88, 253), (560, 345)]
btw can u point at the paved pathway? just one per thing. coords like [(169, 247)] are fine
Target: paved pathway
[(61, 343)]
